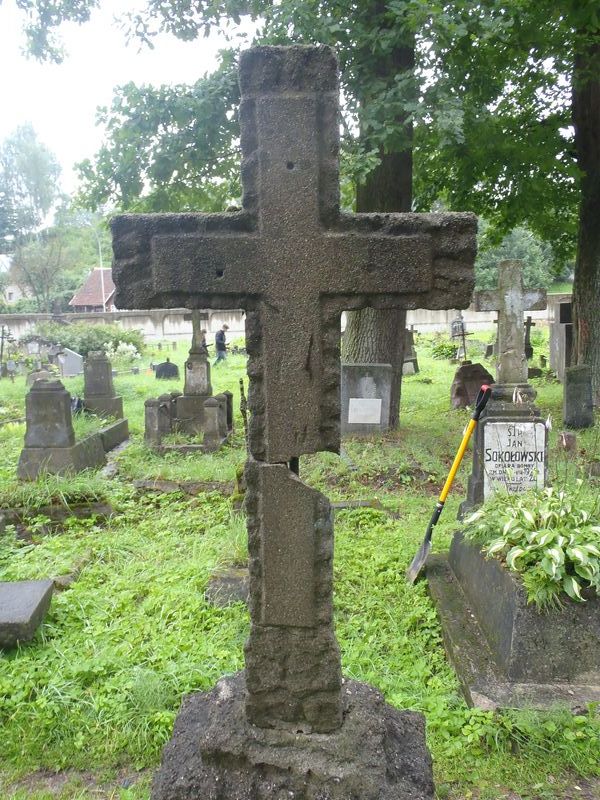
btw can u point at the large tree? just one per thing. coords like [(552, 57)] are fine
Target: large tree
[(28, 186), (515, 131)]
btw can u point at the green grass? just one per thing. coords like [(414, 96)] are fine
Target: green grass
[(97, 692)]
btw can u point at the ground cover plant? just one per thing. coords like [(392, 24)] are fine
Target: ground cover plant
[(551, 538), (95, 695)]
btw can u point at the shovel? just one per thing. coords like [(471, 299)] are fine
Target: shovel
[(419, 560)]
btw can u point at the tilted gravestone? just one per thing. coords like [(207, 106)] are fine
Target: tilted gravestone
[(98, 388), (365, 395), (294, 263), (510, 447)]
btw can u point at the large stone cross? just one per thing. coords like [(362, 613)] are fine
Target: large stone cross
[(511, 301), (294, 262)]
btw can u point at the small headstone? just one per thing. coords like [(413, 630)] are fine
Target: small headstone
[(70, 363), (578, 404), (467, 382), (410, 354), (98, 388), (23, 606), (365, 392), (229, 586), (166, 370), (561, 338), (212, 429)]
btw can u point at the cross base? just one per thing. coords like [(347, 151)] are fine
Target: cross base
[(379, 753)]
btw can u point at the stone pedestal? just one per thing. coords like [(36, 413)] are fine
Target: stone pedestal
[(365, 395), (98, 388), (509, 448), (578, 403), (378, 753), (197, 375)]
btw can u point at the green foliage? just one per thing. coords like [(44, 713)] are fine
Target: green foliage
[(170, 148), (551, 538), (28, 185), (519, 244), (443, 347), (83, 337)]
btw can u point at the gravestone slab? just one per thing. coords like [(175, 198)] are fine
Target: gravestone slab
[(468, 380), (98, 388), (578, 402), (293, 262), (166, 371), (510, 451), (510, 447), (70, 363), (366, 392), (50, 444), (23, 606), (561, 338), (505, 651)]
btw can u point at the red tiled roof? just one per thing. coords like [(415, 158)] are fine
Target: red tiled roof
[(90, 294)]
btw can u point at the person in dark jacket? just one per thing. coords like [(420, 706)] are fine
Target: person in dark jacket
[(220, 344)]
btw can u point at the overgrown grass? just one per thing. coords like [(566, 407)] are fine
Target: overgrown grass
[(99, 688)]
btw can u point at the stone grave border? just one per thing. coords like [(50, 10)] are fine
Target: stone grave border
[(484, 682)]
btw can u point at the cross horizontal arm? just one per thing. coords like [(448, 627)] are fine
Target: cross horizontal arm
[(171, 260), (424, 258), (533, 300)]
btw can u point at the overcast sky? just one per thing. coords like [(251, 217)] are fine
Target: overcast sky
[(60, 100)]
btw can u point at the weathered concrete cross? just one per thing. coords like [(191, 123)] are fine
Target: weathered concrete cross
[(511, 301), (294, 262)]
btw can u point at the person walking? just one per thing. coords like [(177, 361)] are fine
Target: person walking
[(220, 344)]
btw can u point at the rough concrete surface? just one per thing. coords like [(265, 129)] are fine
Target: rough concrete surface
[(379, 753)]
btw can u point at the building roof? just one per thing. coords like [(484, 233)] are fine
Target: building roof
[(90, 294)]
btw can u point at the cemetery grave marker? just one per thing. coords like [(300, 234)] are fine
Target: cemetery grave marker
[(510, 447), (294, 263), (365, 395), (98, 388)]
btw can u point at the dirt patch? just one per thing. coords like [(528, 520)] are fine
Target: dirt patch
[(29, 525), (192, 488), (97, 785)]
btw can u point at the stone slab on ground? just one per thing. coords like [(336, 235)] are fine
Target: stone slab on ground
[(379, 753), (86, 454), (23, 606), (114, 434), (229, 586), (484, 683)]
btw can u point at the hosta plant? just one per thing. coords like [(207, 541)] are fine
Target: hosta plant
[(551, 538)]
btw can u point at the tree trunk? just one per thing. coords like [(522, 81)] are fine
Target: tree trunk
[(586, 287), (378, 336)]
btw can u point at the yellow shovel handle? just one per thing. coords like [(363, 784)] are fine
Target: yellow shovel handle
[(457, 459)]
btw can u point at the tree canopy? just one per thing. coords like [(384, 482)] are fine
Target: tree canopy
[(28, 185)]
